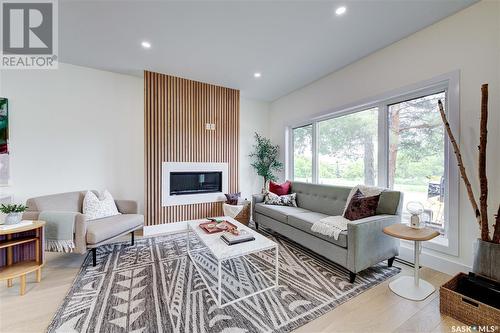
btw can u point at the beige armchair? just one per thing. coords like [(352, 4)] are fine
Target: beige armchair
[(89, 235)]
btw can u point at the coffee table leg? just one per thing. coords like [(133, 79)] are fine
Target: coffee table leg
[(188, 238), (219, 281), (276, 267)]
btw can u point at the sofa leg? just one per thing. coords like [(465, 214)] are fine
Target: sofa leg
[(352, 277), (94, 256), (132, 238), (256, 225), (390, 261)]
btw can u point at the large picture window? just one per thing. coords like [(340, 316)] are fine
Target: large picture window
[(302, 153), (347, 149), (398, 142), (416, 155)]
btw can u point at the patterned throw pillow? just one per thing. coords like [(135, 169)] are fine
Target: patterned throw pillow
[(98, 207), (360, 206), (232, 198), (281, 200)]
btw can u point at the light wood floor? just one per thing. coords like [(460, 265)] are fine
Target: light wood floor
[(376, 310)]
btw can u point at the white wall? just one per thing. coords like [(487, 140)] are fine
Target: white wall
[(254, 117), (468, 41), (75, 128), (78, 128)]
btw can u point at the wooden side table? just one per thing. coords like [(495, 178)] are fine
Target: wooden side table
[(22, 252), (412, 288)]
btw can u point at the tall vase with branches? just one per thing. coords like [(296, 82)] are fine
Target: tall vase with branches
[(265, 158), (492, 242)]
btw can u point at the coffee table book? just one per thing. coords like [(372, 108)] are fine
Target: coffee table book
[(231, 239)]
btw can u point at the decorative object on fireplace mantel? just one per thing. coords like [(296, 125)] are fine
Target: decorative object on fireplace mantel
[(487, 254), (266, 159)]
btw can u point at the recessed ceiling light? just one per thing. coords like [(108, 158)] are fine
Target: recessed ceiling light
[(341, 10), (146, 45), (257, 75)]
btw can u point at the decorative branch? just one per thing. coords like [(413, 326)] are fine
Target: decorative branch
[(460, 163), (483, 180)]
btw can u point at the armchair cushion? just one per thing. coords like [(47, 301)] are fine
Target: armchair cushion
[(109, 227)]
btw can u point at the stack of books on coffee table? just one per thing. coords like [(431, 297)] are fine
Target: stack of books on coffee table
[(231, 239)]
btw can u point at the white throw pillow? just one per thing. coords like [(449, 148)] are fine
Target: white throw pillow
[(98, 207)]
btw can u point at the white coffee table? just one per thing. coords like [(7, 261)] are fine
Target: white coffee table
[(222, 252)]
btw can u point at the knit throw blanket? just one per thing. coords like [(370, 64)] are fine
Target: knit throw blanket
[(332, 226), (59, 230)]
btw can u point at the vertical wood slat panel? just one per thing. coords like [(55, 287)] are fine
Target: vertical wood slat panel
[(175, 113)]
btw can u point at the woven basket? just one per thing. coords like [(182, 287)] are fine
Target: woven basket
[(244, 216), (465, 309)]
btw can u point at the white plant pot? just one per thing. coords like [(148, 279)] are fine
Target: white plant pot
[(13, 218)]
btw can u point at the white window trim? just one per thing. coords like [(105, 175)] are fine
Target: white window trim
[(450, 83)]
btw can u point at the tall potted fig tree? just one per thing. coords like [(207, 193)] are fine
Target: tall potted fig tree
[(265, 158), (487, 248)]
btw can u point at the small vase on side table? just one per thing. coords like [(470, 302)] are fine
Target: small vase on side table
[(13, 218)]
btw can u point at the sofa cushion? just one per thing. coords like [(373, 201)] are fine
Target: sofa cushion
[(305, 221), (390, 202), (326, 199), (279, 213), (102, 229)]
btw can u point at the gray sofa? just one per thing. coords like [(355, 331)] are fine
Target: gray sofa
[(361, 246), (88, 235)]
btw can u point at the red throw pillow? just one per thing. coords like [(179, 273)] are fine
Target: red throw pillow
[(280, 189)]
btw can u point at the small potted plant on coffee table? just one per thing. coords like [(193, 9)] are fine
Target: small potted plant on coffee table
[(14, 212)]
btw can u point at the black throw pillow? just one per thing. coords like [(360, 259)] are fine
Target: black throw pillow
[(232, 198)]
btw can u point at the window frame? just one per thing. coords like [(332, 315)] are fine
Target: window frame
[(449, 83), (313, 149)]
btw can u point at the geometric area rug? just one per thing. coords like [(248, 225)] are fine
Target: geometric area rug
[(154, 287)]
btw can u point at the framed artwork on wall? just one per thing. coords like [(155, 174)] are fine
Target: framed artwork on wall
[(4, 142)]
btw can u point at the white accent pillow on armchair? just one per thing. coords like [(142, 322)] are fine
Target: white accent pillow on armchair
[(98, 207)]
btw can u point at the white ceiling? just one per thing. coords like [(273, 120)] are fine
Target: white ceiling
[(292, 43)]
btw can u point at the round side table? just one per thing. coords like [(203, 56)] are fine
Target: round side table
[(412, 288), (22, 250)]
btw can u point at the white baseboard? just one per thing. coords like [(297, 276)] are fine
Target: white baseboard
[(429, 259), (166, 228)]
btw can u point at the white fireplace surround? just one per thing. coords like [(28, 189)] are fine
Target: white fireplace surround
[(173, 200)]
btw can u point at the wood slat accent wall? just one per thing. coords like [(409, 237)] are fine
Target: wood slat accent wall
[(175, 113)]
